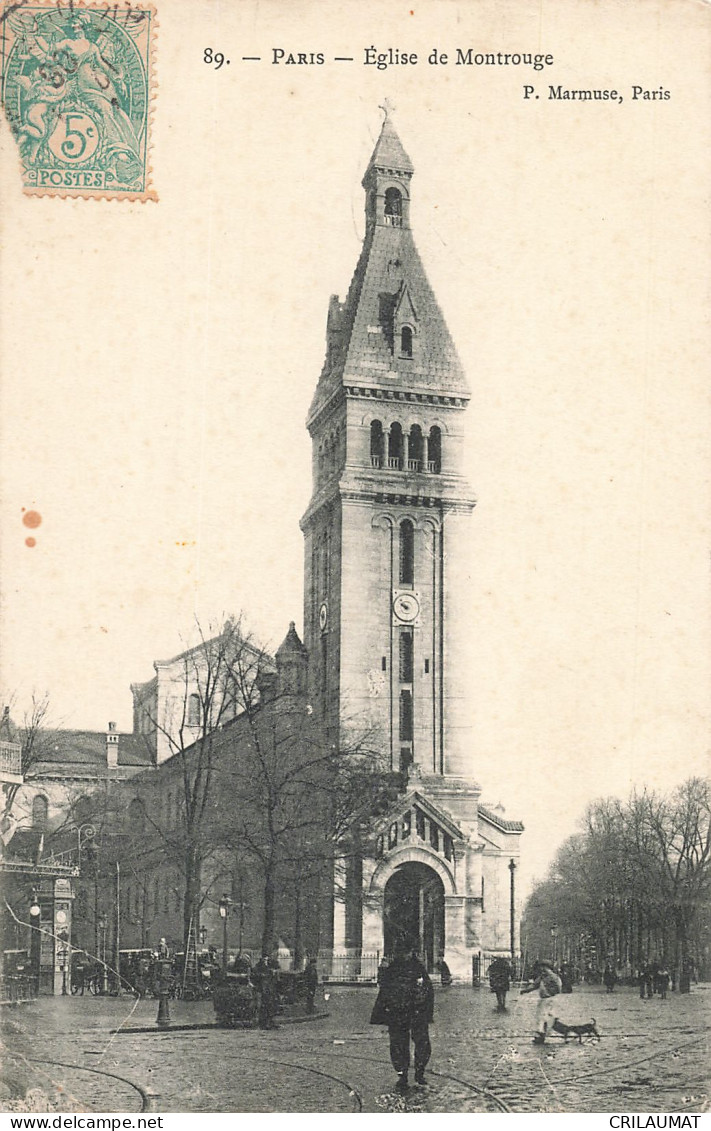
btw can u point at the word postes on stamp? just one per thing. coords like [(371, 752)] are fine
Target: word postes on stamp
[(76, 89)]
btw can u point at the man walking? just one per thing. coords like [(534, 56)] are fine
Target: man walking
[(500, 981), (405, 1003), (548, 984)]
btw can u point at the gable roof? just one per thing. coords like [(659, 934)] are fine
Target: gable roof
[(500, 822), (63, 749), (434, 812)]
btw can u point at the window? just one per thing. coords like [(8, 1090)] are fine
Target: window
[(406, 716), (384, 663), (448, 847), (406, 342), (434, 836), (406, 824), (392, 835), (407, 553), (39, 811), (377, 444), (434, 450), (427, 667), (406, 759), (415, 446), (420, 823), (393, 207), (395, 446), (194, 710), (406, 653)]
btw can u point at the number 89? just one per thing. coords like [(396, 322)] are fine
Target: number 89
[(215, 57)]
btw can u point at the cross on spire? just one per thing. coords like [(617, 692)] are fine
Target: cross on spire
[(387, 106)]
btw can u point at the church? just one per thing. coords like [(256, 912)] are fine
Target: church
[(383, 663), (387, 600)]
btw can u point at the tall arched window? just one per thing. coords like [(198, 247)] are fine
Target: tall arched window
[(193, 710), (393, 207), (406, 342), (377, 443), (406, 656), (395, 445), (414, 448), (406, 716), (39, 811), (407, 553), (434, 450)]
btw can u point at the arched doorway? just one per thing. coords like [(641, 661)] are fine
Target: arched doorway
[(413, 910)]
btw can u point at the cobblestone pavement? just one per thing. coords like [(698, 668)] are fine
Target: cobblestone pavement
[(652, 1057)]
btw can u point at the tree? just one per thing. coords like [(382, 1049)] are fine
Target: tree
[(634, 883), (213, 683), (34, 738)]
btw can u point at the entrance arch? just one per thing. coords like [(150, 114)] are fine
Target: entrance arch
[(413, 911)]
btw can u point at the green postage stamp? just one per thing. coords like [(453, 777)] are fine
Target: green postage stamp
[(77, 86)]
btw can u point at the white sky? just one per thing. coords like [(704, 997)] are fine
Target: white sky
[(159, 361)]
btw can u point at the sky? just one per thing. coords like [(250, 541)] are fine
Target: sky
[(159, 360)]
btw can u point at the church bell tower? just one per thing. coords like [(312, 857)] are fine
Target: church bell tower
[(387, 612), (388, 607)]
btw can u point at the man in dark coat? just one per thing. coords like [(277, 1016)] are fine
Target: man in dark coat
[(311, 979), (500, 981), (405, 1003), (264, 981)]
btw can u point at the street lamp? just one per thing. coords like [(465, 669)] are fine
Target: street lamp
[(103, 923), (203, 935), (224, 906), (554, 936), (35, 913), (512, 911)]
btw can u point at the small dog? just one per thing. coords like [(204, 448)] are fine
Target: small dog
[(589, 1029)]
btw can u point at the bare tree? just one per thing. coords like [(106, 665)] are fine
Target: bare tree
[(35, 741), (207, 699)]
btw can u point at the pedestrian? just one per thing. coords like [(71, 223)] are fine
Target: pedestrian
[(445, 973), (264, 981), (548, 984), (566, 979), (500, 981), (311, 979), (609, 977), (663, 980), (405, 1003)]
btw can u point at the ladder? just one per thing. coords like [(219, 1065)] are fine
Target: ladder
[(191, 975)]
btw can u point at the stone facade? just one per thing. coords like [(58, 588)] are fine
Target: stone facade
[(387, 604)]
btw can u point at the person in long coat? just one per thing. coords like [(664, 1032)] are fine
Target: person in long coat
[(405, 1003), (264, 981), (500, 981)]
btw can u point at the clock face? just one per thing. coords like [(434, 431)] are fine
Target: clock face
[(61, 917), (323, 616), (406, 607)]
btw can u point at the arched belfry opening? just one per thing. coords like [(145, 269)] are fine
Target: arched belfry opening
[(393, 207), (413, 911)]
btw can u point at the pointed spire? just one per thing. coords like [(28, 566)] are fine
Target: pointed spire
[(389, 152), (291, 643)]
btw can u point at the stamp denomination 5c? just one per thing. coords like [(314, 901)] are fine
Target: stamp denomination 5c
[(77, 88)]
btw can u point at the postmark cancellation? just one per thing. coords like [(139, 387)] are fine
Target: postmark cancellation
[(77, 90)]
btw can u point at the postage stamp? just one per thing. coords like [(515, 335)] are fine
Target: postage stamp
[(77, 86)]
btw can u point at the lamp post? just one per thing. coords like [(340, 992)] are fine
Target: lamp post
[(223, 907), (35, 941), (512, 911), (554, 936), (103, 923)]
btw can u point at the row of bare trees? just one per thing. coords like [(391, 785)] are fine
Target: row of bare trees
[(632, 885), (261, 791)]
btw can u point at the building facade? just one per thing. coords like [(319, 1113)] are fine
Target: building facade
[(387, 609)]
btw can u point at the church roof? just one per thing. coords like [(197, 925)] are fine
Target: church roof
[(389, 284), (499, 821), (64, 749), (291, 644), (389, 152)]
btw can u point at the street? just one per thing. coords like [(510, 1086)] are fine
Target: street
[(84, 1054)]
